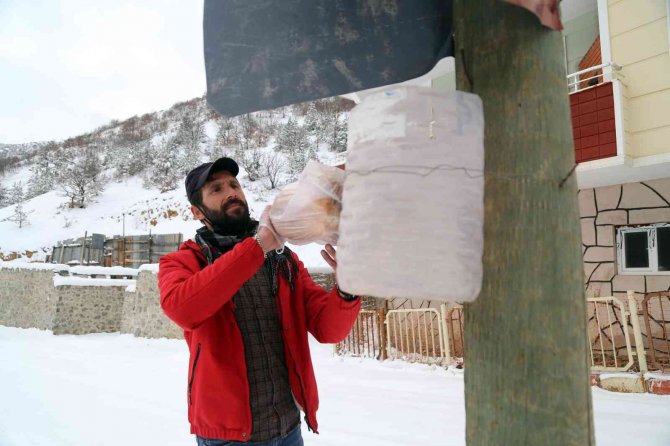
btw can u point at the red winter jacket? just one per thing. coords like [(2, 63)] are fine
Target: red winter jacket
[(200, 301)]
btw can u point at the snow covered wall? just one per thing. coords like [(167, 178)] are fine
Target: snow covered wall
[(142, 315), (44, 296), (33, 296), (27, 298)]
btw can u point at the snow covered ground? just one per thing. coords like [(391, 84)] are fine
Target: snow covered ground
[(112, 389)]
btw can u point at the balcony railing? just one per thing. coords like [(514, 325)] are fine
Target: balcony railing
[(597, 73)]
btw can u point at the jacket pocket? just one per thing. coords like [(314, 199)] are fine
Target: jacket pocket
[(190, 382)]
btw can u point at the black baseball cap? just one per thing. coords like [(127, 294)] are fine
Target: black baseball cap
[(197, 177)]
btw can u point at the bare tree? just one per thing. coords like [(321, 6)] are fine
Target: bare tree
[(271, 165), (227, 133), (20, 217), (248, 132), (17, 196), (251, 161)]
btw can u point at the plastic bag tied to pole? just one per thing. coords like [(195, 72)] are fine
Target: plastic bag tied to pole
[(308, 211), (413, 200)]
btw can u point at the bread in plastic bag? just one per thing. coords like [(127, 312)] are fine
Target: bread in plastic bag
[(308, 211)]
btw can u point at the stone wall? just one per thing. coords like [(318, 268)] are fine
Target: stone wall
[(143, 316), (325, 279), (142, 313), (88, 309), (604, 209), (27, 298)]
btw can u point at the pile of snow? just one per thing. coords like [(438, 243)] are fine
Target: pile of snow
[(87, 281), (151, 267), (103, 271), (36, 266), (657, 376)]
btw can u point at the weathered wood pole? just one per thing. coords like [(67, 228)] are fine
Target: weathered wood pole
[(526, 373)]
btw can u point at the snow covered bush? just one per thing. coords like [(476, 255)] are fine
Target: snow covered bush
[(79, 174), (167, 166)]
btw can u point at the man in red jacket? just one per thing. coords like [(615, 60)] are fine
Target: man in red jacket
[(246, 304)]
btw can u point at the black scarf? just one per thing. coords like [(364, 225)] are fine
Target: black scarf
[(214, 245)]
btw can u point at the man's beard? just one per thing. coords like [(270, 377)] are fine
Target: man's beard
[(227, 224)]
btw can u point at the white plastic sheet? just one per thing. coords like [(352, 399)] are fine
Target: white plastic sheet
[(412, 212)]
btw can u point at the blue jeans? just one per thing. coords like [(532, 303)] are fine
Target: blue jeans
[(293, 438)]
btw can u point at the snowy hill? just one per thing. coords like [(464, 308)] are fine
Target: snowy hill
[(19, 150), (138, 167)]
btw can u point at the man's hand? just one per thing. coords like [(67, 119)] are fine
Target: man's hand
[(266, 233), (330, 256)]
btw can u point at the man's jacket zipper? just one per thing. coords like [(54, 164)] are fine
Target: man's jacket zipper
[(190, 383)]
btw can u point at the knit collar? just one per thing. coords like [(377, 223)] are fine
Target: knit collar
[(214, 245)]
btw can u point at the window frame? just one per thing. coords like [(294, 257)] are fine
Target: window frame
[(652, 250)]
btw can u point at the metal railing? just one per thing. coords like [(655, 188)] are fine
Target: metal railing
[(418, 335), (455, 331), (435, 336), (426, 335), (608, 334), (600, 71), (366, 337), (656, 311)]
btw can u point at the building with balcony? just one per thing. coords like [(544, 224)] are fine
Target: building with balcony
[(618, 55)]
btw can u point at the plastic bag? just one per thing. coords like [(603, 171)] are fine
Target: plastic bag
[(308, 211)]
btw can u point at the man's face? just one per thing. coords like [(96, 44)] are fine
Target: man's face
[(224, 204)]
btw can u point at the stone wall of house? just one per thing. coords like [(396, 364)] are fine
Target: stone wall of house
[(142, 313), (604, 209), (27, 298), (88, 309)]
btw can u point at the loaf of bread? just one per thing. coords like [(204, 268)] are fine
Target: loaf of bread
[(308, 211)]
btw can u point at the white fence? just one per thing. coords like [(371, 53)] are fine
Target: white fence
[(435, 336), (609, 326), (418, 335)]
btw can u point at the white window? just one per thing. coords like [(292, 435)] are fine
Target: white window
[(644, 249)]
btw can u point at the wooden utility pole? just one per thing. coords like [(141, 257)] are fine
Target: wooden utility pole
[(527, 372)]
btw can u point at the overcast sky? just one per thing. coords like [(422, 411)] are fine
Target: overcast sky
[(69, 66)]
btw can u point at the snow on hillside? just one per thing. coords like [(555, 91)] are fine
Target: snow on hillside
[(145, 210), (129, 152), (112, 389)]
